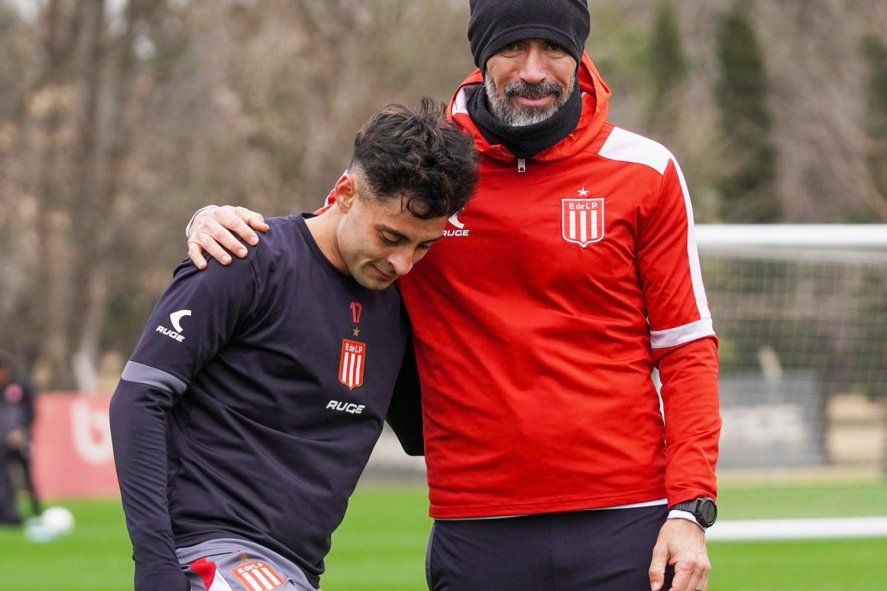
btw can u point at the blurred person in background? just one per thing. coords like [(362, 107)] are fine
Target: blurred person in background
[(571, 275), (16, 421)]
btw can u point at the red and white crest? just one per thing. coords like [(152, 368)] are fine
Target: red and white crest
[(582, 220), (258, 576), (352, 363)]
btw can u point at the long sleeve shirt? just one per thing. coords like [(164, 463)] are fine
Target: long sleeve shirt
[(251, 404)]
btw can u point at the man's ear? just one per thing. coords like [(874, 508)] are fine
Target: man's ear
[(345, 191)]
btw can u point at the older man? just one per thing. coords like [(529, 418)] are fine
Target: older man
[(538, 322)]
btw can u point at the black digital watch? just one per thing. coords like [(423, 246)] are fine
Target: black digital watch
[(704, 510)]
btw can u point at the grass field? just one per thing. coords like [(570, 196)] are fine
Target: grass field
[(381, 545)]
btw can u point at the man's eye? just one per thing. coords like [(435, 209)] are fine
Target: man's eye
[(512, 47), (388, 239), (555, 49)]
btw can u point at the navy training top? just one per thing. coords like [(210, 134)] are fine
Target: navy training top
[(251, 404)]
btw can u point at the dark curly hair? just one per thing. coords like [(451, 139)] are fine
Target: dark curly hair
[(418, 156)]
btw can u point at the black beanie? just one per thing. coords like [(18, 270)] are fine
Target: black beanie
[(496, 23)]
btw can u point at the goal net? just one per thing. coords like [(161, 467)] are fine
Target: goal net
[(801, 317)]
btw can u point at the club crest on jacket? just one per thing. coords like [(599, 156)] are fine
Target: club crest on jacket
[(582, 220)]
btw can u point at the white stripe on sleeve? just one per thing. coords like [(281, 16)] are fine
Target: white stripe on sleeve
[(660, 339), (625, 146), (693, 251)]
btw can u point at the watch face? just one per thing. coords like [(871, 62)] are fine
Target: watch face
[(707, 512)]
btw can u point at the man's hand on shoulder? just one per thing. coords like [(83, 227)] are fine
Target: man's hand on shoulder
[(215, 230), (681, 543)]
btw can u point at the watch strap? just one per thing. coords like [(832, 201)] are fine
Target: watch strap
[(694, 507)]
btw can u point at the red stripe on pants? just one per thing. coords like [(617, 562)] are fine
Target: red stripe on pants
[(206, 570)]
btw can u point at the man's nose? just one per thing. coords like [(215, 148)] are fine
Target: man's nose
[(534, 69), (402, 262)]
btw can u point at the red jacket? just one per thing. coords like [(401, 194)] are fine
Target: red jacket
[(539, 320)]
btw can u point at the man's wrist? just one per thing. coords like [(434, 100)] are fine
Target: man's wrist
[(194, 217), (686, 515), (704, 510)]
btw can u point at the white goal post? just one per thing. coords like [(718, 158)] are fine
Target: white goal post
[(824, 528), (792, 235)]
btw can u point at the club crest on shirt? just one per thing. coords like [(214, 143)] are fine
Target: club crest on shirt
[(582, 220), (258, 576), (352, 363)]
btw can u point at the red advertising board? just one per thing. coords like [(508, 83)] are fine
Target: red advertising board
[(72, 454)]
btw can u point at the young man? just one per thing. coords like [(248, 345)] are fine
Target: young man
[(538, 321), (253, 400)]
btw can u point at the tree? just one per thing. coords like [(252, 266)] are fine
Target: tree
[(876, 120), (747, 186), (668, 69), (75, 118), (118, 119)]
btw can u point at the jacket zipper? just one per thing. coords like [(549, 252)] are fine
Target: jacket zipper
[(521, 165)]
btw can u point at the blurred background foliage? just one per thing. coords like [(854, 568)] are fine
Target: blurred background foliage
[(118, 118)]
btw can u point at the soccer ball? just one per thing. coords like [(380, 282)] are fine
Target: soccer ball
[(58, 521)]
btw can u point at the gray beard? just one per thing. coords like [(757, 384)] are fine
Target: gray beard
[(519, 116)]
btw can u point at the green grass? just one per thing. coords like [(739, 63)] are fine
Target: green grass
[(845, 565), (804, 500), (381, 545), (96, 557)]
